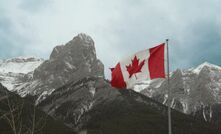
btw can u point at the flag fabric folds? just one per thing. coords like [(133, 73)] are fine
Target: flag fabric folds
[(144, 65)]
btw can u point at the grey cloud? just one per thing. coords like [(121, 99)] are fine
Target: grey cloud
[(119, 28), (34, 5)]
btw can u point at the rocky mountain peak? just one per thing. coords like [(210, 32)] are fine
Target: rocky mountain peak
[(198, 69), (76, 58), (80, 46), (67, 63), (191, 89), (84, 38), (177, 72)]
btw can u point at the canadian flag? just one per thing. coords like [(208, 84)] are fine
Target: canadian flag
[(143, 65)]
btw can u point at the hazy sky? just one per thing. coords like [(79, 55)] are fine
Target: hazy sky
[(118, 27)]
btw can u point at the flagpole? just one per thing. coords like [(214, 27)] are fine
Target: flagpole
[(169, 91)]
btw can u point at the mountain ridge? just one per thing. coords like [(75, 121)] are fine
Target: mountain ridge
[(16, 71), (70, 86), (72, 61), (106, 108), (192, 89)]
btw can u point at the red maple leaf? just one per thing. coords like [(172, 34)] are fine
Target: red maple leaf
[(135, 67)]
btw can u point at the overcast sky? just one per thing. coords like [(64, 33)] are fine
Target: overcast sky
[(118, 27)]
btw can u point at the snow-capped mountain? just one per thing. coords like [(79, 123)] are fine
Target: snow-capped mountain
[(16, 71), (193, 90), (20, 64), (70, 62), (70, 86)]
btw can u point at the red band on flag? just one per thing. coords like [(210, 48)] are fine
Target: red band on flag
[(117, 77), (156, 62)]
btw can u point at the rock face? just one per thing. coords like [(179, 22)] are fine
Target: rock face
[(193, 90), (72, 101), (73, 61), (70, 62)]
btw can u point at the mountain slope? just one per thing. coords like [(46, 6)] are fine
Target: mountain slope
[(47, 124), (192, 90), (93, 106)]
